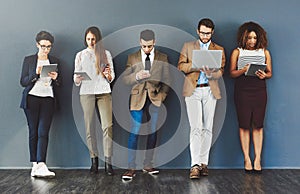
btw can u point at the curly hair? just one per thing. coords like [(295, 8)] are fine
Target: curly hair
[(245, 29)]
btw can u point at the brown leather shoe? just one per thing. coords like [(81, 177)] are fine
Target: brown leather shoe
[(195, 172), (204, 170)]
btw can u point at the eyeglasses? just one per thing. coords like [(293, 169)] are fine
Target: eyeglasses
[(44, 47), (205, 33)]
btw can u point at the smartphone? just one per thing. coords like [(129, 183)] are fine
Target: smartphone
[(103, 66)]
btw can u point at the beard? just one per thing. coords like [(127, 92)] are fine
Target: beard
[(204, 40)]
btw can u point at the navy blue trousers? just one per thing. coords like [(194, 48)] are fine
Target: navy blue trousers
[(39, 115)]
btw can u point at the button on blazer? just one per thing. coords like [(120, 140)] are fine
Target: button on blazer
[(155, 87), (185, 65)]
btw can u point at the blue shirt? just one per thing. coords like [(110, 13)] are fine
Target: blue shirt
[(202, 78)]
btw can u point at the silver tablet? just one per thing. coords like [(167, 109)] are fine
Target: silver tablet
[(210, 58), (47, 69), (84, 75)]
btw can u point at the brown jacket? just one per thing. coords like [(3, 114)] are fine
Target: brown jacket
[(156, 87), (185, 65)]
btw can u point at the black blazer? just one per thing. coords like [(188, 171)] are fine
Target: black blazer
[(29, 77)]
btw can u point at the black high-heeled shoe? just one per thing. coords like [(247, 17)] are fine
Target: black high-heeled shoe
[(108, 167), (95, 164), (247, 170), (257, 171)]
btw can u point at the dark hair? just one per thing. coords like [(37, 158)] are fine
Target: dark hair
[(206, 22), (95, 31), (245, 29), (147, 35), (44, 35)]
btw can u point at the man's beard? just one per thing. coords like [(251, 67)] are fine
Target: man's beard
[(206, 41)]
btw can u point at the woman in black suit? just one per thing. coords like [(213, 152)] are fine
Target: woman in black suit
[(39, 101)]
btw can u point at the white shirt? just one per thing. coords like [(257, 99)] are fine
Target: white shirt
[(42, 87), (151, 56), (85, 62)]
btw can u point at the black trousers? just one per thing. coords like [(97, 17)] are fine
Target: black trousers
[(39, 115)]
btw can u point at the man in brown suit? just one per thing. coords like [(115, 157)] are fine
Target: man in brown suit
[(147, 71), (201, 91)]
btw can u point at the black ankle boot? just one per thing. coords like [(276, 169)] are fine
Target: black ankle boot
[(108, 166), (95, 164)]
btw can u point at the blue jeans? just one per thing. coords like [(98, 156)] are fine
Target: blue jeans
[(39, 116), (136, 120)]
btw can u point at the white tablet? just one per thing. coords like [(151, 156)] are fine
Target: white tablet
[(210, 58), (47, 69), (253, 67), (84, 75)]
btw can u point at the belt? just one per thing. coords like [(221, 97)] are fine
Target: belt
[(202, 85)]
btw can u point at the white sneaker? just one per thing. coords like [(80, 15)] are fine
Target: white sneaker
[(42, 171), (34, 167)]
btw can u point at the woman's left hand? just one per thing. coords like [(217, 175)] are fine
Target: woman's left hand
[(53, 75), (107, 72), (260, 74)]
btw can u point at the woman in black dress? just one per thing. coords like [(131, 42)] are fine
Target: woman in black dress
[(250, 94)]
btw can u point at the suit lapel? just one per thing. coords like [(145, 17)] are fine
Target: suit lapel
[(211, 46), (34, 63), (156, 59), (196, 45), (138, 61)]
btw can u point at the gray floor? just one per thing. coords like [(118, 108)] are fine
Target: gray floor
[(168, 181)]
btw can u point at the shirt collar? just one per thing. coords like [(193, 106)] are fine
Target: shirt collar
[(151, 53), (206, 44)]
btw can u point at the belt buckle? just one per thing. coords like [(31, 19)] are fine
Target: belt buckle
[(202, 85)]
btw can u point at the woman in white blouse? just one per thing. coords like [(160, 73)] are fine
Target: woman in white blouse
[(97, 63)]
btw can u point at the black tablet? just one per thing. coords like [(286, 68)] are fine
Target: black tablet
[(253, 67)]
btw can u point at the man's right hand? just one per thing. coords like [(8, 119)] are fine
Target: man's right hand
[(143, 74)]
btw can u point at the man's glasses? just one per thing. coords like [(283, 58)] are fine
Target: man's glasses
[(44, 47), (205, 33)]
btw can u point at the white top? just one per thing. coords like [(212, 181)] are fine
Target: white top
[(250, 56), (151, 56), (85, 62), (42, 86)]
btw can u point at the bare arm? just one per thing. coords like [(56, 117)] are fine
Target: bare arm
[(234, 72)]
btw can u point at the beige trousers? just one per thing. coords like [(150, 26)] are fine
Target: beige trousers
[(104, 105)]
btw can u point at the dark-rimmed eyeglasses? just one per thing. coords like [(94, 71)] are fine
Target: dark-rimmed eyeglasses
[(44, 47), (205, 33)]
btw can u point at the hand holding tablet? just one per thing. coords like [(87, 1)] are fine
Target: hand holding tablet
[(83, 75), (254, 67), (46, 69)]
